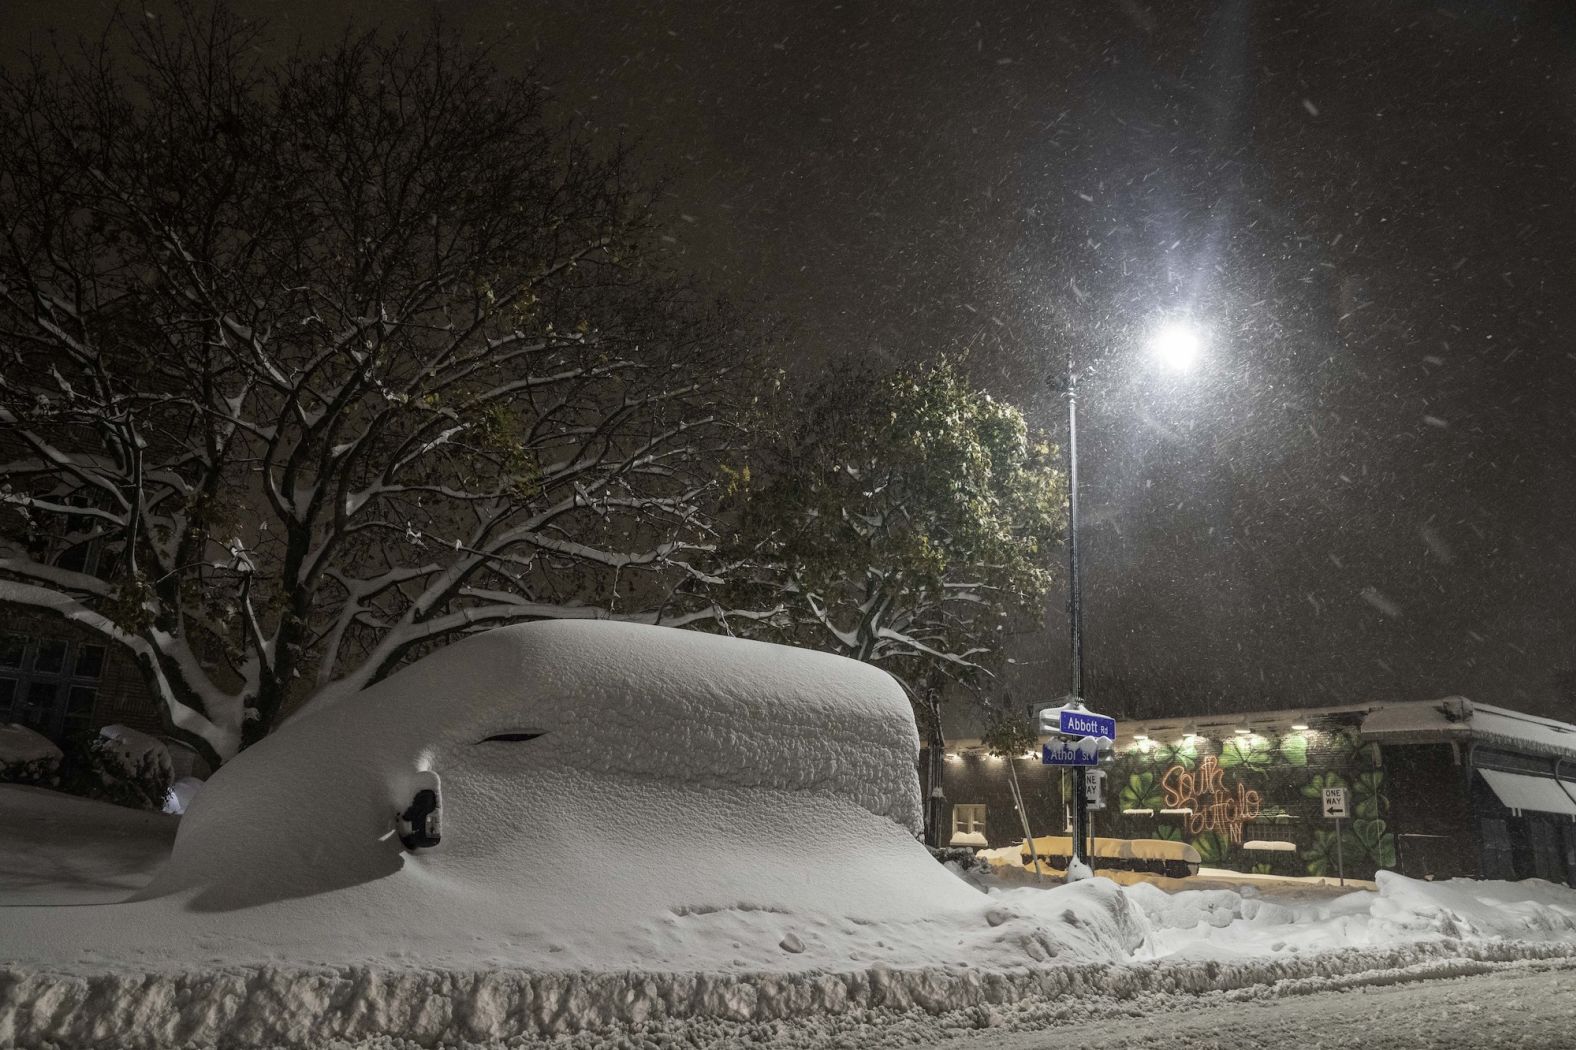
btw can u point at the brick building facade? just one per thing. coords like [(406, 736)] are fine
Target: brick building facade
[(61, 680)]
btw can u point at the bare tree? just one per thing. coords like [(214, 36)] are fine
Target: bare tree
[(310, 365)]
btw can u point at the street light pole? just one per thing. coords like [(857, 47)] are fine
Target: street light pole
[(1177, 346), (1075, 608)]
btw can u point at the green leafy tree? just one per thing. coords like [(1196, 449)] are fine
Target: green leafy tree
[(902, 520)]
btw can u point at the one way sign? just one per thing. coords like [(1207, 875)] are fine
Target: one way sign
[(1335, 802)]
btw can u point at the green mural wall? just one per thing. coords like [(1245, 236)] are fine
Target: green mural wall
[(1258, 788)]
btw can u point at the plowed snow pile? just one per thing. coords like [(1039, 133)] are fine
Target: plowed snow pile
[(615, 798), (645, 827)]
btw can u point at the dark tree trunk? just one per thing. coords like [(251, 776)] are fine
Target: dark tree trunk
[(935, 750)]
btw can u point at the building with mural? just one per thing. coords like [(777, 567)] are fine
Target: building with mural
[(1433, 789)]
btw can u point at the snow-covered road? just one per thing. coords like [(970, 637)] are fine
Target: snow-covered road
[(1527, 1005)]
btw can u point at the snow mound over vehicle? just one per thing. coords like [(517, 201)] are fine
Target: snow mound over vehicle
[(635, 821), (670, 756)]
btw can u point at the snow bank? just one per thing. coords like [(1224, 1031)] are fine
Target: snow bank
[(633, 819), (1253, 922), (1532, 910), (63, 849), (639, 823), (614, 797), (280, 1006)]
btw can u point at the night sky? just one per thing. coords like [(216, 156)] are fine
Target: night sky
[(1367, 490)]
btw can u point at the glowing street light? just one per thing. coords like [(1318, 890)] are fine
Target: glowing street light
[(1176, 345)]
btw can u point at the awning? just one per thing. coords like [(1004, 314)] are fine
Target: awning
[(1519, 791)]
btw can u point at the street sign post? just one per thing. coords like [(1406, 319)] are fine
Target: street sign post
[(1094, 788), (1335, 806), (1082, 753), (1335, 802), (1075, 720), (1082, 733)]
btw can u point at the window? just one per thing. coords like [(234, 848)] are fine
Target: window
[(90, 661), (49, 656), (49, 685), (968, 825)]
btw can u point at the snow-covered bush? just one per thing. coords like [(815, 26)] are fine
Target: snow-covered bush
[(121, 765), (181, 794), (962, 856), (27, 757)]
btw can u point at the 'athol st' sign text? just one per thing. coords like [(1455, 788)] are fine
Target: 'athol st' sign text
[(1085, 752)]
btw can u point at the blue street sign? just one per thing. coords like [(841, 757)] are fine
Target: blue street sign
[(1071, 753), (1087, 723), (1076, 721)]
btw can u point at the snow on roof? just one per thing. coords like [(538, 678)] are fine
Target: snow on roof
[(1497, 725), (1457, 718), (1424, 719)]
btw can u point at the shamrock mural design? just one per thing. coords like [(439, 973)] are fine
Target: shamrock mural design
[(1368, 794), (1246, 753), (1142, 791), (1273, 780), (1294, 749), (1182, 754), (1375, 845), (1322, 854), (1213, 848), (1314, 788)]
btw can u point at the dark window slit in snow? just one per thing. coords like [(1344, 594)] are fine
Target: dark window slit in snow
[(509, 738)]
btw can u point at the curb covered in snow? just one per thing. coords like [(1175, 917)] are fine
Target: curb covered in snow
[(276, 1006)]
